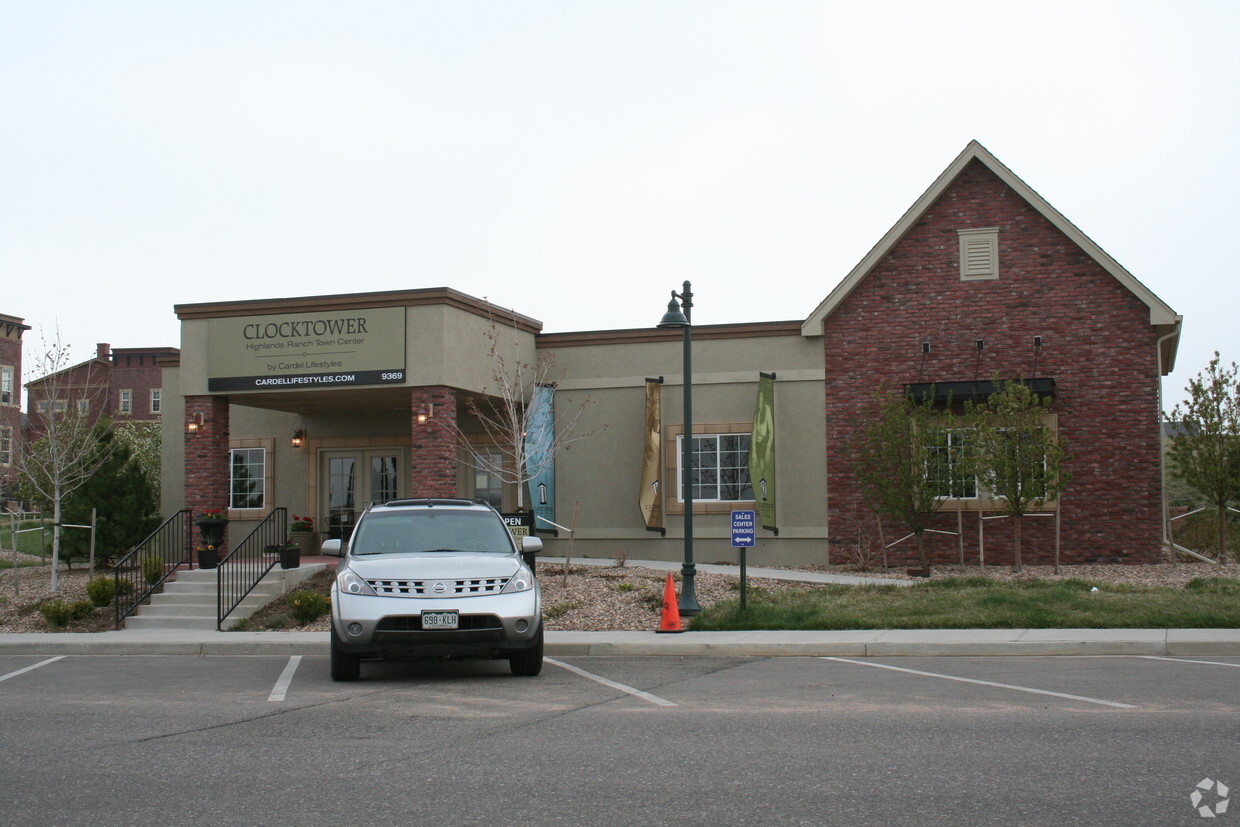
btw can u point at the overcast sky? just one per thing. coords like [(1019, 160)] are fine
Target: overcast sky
[(578, 160)]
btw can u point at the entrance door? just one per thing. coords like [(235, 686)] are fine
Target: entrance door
[(354, 480)]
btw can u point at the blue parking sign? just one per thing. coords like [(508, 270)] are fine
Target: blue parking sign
[(744, 529)]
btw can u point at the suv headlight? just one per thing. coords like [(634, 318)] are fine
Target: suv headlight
[(349, 583), (522, 581)]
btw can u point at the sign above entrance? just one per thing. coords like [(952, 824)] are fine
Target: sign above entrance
[(306, 350)]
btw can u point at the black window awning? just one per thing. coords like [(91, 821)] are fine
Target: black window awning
[(973, 391)]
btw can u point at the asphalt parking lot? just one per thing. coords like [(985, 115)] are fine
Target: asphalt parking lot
[(619, 740)]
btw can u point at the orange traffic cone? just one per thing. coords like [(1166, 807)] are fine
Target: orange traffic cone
[(670, 621)]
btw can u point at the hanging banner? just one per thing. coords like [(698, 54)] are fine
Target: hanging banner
[(539, 458), (762, 452), (649, 497)]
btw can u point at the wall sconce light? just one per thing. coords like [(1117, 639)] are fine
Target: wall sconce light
[(299, 438), (194, 425), (427, 413)]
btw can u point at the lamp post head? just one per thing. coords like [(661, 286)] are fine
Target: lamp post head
[(673, 317)]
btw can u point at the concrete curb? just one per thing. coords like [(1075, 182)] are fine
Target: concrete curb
[(878, 643)]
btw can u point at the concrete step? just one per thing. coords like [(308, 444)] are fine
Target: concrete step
[(189, 602)]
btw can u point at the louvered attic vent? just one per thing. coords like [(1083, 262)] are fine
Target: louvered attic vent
[(979, 254)]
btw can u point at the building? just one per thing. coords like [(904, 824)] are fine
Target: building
[(124, 383), (11, 330), (321, 404)]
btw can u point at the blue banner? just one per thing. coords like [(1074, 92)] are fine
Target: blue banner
[(539, 457)]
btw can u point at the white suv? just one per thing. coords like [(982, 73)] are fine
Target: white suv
[(434, 577)]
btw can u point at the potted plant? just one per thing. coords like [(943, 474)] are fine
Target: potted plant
[(208, 556), (211, 525), (290, 555), (301, 531)]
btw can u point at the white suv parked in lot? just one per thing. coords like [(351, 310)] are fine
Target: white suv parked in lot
[(434, 577)]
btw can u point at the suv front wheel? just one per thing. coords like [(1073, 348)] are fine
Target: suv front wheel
[(345, 666), (527, 664)]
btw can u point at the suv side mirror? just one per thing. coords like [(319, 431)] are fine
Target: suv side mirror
[(531, 544), (332, 548)]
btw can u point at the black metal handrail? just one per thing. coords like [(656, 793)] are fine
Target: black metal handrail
[(248, 563), (140, 572)]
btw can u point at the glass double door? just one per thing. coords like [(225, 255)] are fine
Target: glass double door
[(354, 480)]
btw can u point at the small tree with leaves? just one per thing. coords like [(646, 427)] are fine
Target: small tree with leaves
[(1016, 458), (506, 416), (1205, 454), (68, 444), (900, 462)]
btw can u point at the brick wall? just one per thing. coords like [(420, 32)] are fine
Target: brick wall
[(206, 457), (1097, 344), (433, 464)]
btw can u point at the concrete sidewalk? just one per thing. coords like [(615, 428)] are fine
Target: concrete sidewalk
[(879, 643)]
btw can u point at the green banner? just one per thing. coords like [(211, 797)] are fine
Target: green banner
[(762, 452)]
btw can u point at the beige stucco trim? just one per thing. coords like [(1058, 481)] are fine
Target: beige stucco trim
[(1160, 312)]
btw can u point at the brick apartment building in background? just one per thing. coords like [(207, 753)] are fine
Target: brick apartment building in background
[(123, 384), (11, 330)]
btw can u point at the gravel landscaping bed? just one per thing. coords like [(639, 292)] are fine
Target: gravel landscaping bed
[(595, 598)]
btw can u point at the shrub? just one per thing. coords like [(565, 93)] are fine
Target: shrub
[(152, 569), (307, 606), (57, 612), (101, 590)]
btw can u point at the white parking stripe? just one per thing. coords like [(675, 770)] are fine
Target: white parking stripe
[(637, 693), (986, 683), (286, 677), (1186, 660), (28, 668)]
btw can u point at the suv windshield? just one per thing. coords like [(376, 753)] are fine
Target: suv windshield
[(430, 529)]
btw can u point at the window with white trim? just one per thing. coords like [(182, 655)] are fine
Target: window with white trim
[(6, 385), (83, 406), (126, 402), (945, 467), (979, 254), (157, 400), (719, 468), (247, 478), (6, 445)]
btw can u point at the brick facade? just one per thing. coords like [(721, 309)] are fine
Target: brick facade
[(1098, 345), (433, 463), (206, 457), (11, 330)]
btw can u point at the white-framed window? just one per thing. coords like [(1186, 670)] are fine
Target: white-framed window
[(979, 254), (6, 445), (6, 385), (945, 470), (83, 406), (44, 406), (247, 478), (126, 402), (157, 400), (719, 470)]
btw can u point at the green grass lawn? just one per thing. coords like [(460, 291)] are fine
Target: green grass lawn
[(979, 603), (28, 542)]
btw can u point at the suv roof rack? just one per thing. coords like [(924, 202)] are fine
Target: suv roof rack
[(429, 502)]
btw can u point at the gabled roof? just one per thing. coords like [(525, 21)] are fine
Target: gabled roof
[(1161, 315)]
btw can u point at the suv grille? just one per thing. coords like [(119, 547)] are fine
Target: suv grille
[(439, 588), (413, 623)]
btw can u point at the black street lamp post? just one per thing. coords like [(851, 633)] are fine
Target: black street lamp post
[(680, 315)]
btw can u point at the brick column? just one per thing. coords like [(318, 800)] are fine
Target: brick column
[(206, 458), (433, 465)]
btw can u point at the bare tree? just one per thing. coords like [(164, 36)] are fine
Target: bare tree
[(67, 425), (519, 406)]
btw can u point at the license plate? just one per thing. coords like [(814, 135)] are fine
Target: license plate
[(440, 620)]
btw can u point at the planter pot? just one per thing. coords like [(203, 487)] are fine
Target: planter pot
[(290, 557), (208, 558), (307, 542), (212, 531)]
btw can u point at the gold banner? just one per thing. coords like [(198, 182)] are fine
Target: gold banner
[(650, 498)]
